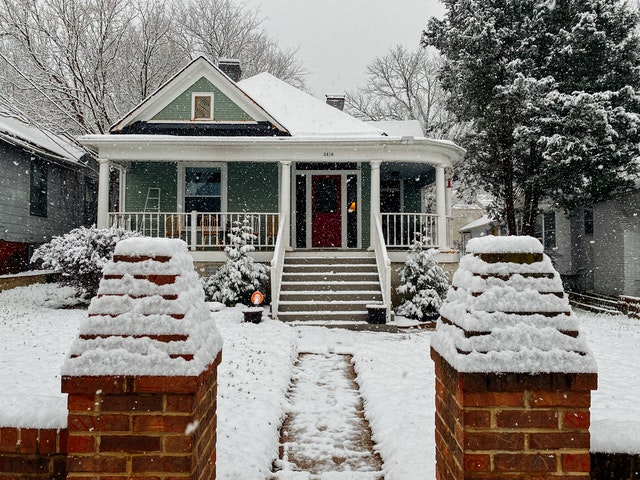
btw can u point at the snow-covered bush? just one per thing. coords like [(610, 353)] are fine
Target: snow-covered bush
[(423, 283), (80, 255), (240, 276)]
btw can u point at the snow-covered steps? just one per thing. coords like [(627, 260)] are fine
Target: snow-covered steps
[(328, 286)]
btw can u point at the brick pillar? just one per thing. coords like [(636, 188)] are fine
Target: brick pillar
[(142, 426), (513, 384), (142, 376)]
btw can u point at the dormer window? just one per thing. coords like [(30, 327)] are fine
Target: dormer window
[(202, 107)]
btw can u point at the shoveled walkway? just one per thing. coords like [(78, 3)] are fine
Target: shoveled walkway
[(325, 434)]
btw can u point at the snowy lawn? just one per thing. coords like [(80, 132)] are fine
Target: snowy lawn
[(395, 375)]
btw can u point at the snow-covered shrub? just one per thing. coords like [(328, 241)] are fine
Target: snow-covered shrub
[(80, 255), (423, 283), (241, 275)]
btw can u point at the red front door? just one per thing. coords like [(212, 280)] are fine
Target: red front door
[(326, 215)]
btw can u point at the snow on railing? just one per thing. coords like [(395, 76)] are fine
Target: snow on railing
[(277, 264), (399, 229), (201, 230), (383, 262)]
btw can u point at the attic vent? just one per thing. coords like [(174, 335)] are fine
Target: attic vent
[(202, 106)]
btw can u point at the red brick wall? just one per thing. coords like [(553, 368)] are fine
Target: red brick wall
[(136, 427), (507, 426), (29, 453)]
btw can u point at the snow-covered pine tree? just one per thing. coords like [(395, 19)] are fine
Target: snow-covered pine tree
[(423, 282), (552, 90), (241, 275)]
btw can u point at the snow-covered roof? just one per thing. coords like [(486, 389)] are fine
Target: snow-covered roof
[(302, 114), (483, 221), (37, 140), (399, 128)]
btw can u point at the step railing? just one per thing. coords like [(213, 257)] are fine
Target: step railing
[(383, 262), (201, 230), (277, 264)]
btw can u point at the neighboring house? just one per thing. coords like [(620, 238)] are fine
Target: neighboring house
[(47, 187), (204, 151), (598, 248), (595, 249)]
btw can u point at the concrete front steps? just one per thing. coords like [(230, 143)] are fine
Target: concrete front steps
[(328, 287)]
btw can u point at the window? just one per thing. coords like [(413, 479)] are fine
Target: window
[(546, 230), (390, 196), (203, 189), (588, 221), (202, 106), (38, 190)]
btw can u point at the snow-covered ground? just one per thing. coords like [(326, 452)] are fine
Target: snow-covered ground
[(395, 375)]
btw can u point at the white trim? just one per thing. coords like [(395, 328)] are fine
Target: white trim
[(272, 149), (193, 106), (343, 174)]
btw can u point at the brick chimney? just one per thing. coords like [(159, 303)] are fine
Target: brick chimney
[(336, 101), (231, 67)]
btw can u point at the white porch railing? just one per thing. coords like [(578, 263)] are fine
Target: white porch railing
[(277, 265), (201, 230), (383, 262), (399, 229)]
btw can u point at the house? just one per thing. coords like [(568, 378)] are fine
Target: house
[(321, 189), (48, 186), (597, 248)]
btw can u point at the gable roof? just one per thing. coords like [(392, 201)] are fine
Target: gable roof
[(194, 71), (37, 140), (302, 114)]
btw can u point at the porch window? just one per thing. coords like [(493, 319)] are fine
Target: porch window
[(203, 189), (38, 188), (202, 106), (390, 196)]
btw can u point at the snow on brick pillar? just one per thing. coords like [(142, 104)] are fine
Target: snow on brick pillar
[(513, 374), (141, 376)]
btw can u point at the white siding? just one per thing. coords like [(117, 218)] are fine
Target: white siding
[(611, 254)]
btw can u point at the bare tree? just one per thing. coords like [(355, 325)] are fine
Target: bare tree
[(403, 85), (224, 29), (78, 65)]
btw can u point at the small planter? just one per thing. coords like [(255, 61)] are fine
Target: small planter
[(253, 315), (377, 313)]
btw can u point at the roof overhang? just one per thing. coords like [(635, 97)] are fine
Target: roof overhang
[(166, 148)]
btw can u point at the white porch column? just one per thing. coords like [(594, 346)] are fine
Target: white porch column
[(441, 207), (103, 194), (285, 197), (375, 196), (448, 188)]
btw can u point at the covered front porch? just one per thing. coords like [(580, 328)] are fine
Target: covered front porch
[(296, 194)]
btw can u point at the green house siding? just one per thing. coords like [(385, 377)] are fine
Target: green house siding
[(252, 187), (223, 108), (144, 175)]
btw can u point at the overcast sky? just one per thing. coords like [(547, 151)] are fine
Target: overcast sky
[(337, 39)]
